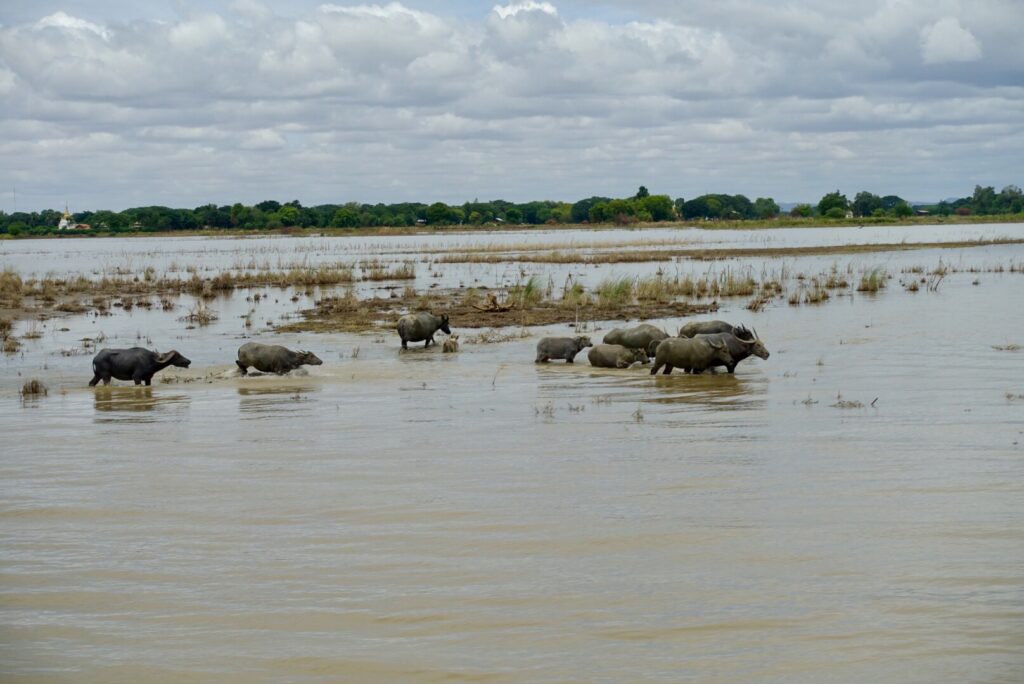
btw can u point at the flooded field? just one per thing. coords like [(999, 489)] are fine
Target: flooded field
[(850, 509)]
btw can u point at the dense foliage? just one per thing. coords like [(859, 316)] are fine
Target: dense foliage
[(641, 207)]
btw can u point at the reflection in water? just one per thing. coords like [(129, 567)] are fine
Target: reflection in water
[(135, 400), (275, 400), (723, 391)]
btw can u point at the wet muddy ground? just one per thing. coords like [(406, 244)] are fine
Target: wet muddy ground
[(849, 509)]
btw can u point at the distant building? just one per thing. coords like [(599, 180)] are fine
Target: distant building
[(67, 222)]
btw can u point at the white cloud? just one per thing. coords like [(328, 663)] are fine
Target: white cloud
[(262, 139), (60, 20), (514, 8), (521, 101), (947, 41)]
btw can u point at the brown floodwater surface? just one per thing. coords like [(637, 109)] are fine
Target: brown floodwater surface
[(849, 510)]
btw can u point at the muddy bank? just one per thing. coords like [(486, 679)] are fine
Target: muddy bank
[(348, 314)]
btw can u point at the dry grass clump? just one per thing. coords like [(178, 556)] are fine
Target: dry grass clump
[(34, 388), (528, 293), (319, 275), (492, 336), (33, 332), (11, 288), (759, 302), (351, 312), (816, 293), (200, 314), (872, 281), (378, 271), (835, 280), (654, 289), (1007, 347), (614, 291), (8, 342), (912, 286), (573, 294)]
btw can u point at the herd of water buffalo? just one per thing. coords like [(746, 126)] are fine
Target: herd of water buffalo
[(700, 346)]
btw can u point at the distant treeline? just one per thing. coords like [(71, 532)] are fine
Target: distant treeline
[(643, 207)]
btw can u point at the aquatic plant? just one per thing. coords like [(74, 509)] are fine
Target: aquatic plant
[(34, 388), (872, 281), (614, 291)]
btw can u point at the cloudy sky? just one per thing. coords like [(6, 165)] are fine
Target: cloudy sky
[(108, 104)]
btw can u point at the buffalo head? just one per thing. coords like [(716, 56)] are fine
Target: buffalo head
[(752, 341), (173, 358)]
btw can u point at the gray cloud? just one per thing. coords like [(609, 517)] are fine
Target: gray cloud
[(245, 101)]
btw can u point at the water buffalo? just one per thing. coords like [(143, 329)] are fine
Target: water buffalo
[(136, 364), (691, 355), (741, 342), (273, 358), (615, 356), (644, 336), (561, 348), (705, 328), (418, 327)]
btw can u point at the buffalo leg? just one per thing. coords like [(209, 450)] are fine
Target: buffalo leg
[(668, 369), (244, 369), (95, 379), (655, 369)]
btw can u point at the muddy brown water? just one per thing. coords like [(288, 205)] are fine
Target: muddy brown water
[(850, 510)]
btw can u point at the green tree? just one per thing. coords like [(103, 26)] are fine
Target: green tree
[(804, 210), (642, 193), (659, 207), (833, 200), (902, 210), (345, 217), (889, 202), (765, 208), (581, 210), (437, 213), (865, 203), (290, 215)]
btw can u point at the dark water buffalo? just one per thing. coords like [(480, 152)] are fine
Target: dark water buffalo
[(136, 364), (418, 327), (741, 342), (561, 348), (615, 356), (691, 355), (644, 336), (273, 358), (705, 328)]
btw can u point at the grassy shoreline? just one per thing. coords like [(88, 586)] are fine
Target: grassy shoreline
[(781, 222)]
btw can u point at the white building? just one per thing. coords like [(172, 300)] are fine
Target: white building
[(66, 221)]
